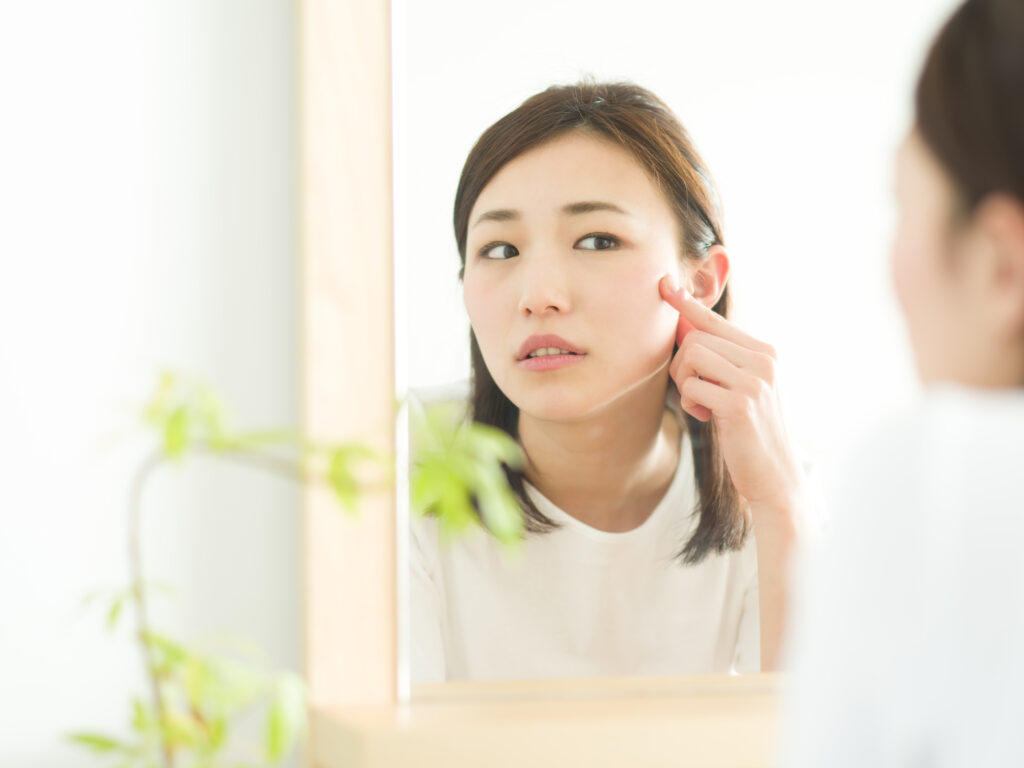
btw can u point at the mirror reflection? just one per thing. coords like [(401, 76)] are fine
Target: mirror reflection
[(630, 341)]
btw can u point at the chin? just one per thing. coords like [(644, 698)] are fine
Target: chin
[(552, 402)]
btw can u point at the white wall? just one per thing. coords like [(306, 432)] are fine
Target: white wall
[(796, 105), (147, 201)]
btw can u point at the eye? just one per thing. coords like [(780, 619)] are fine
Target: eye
[(498, 251), (597, 242)]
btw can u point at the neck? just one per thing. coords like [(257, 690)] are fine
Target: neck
[(610, 469), (997, 364)]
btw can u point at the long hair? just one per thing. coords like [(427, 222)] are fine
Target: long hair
[(637, 120)]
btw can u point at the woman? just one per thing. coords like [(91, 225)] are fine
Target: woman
[(660, 491), (918, 658)]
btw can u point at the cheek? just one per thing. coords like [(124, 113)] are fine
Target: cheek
[(478, 298), (902, 267), (637, 318), (912, 267)]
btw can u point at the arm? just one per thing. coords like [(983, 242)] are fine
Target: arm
[(777, 537), (727, 376)]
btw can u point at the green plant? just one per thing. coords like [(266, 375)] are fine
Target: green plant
[(457, 471), (195, 698)]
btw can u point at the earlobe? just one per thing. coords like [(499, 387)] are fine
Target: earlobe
[(707, 282)]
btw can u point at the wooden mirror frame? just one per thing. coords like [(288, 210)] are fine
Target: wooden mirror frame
[(353, 580)]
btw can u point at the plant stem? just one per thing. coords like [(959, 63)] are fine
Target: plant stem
[(240, 455), (142, 621), (266, 461)]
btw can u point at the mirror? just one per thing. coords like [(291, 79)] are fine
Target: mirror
[(795, 106)]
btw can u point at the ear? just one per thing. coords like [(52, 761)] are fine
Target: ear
[(707, 281), (999, 219)]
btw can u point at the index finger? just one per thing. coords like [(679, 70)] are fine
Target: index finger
[(696, 315)]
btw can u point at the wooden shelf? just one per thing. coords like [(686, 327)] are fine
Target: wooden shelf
[(718, 721)]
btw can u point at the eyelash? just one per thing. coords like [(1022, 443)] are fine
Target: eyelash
[(615, 243)]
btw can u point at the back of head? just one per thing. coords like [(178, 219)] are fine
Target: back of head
[(970, 99)]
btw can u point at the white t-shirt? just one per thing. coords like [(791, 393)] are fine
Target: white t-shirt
[(908, 639), (579, 602)]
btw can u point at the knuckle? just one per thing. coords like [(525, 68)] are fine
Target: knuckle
[(738, 407), (690, 354)]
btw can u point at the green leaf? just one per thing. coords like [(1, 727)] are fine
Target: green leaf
[(197, 680), (495, 443), (97, 742), (142, 720), (156, 410), (459, 464), (342, 481), (180, 730), (176, 432), (502, 514), (218, 733), (286, 719), (167, 654), (232, 686), (115, 612), (210, 413), (457, 510)]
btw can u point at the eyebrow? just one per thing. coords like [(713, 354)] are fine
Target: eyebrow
[(588, 206), (572, 209)]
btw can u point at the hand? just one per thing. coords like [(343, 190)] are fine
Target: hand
[(726, 375)]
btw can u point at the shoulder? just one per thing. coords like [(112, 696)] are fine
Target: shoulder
[(953, 446)]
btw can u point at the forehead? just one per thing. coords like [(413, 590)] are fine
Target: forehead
[(573, 167)]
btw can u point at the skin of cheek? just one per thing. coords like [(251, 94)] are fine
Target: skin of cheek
[(913, 284), (629, 329), (923, 290), (639, 327), (927, 269)]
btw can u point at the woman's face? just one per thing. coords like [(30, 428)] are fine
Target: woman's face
[(570, 239)]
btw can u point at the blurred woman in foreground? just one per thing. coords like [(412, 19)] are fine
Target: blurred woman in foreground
[(908, 644)]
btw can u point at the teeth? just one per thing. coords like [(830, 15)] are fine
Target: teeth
[(544, 351)]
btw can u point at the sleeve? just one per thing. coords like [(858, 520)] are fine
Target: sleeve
[(748, 639), (426, 598)]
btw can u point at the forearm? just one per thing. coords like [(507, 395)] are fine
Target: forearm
[(777, 534)]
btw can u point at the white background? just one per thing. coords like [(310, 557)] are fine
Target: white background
[(797, 107), (148, 219)]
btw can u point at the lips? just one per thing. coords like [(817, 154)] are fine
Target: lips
[(544, 343)]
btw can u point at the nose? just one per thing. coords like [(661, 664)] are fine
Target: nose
[(545, 287)]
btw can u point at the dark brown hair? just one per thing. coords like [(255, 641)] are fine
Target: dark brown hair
[(970, 99), (637, 120)]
